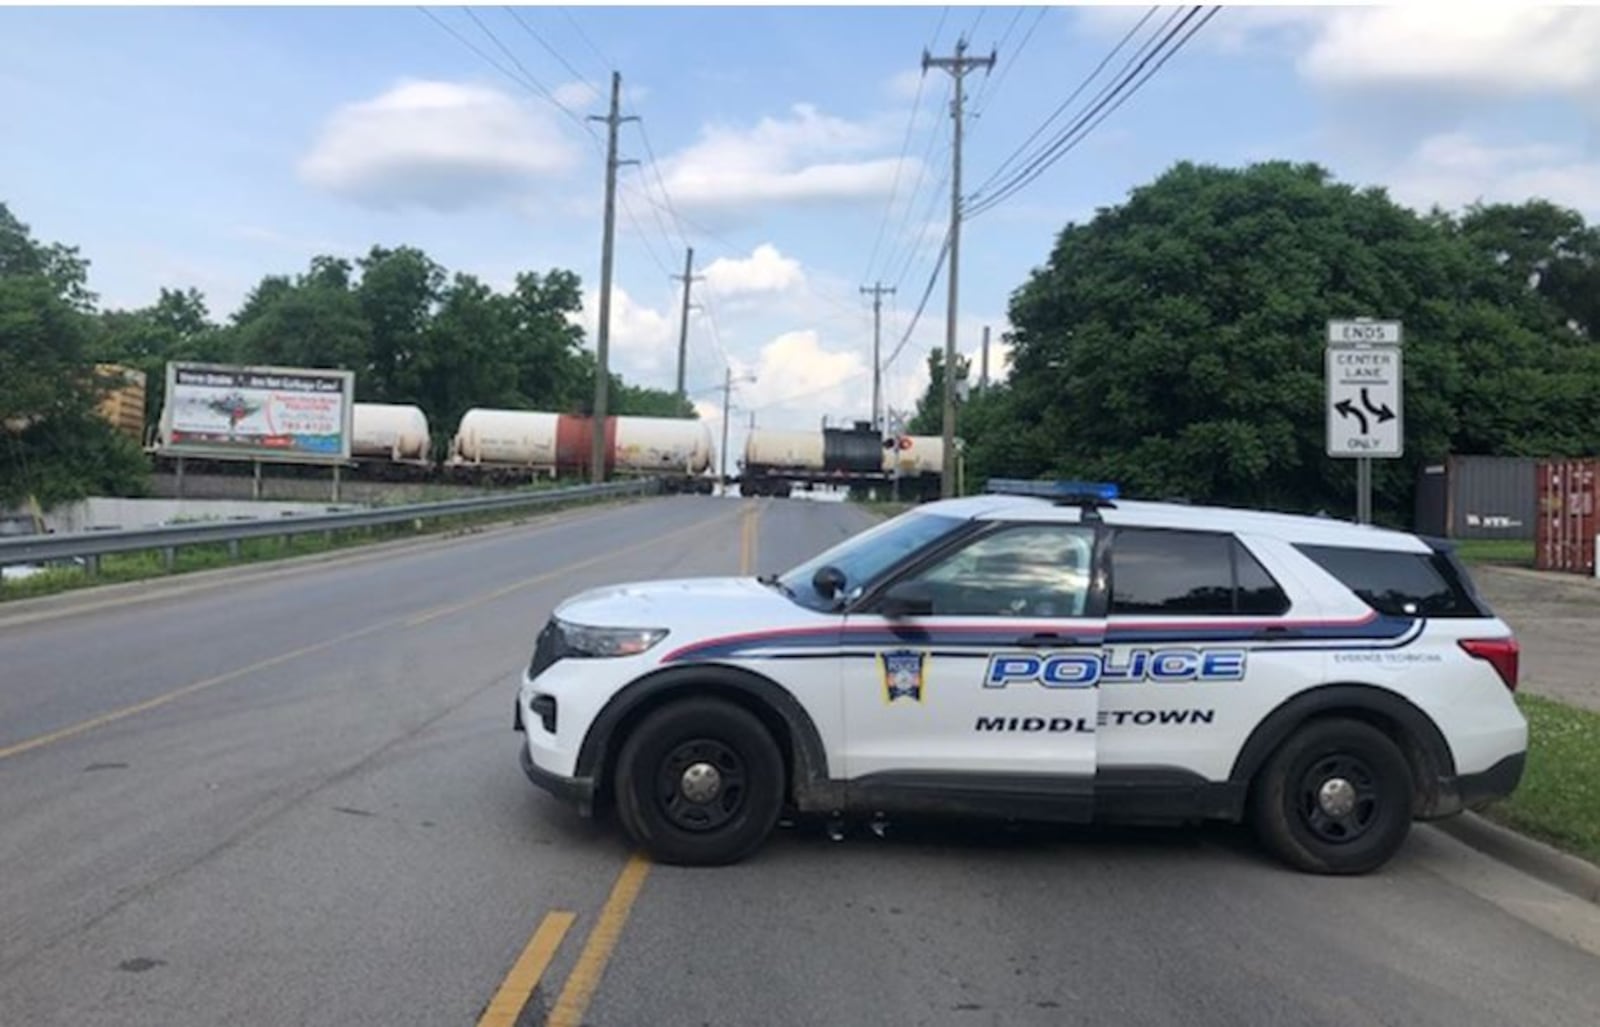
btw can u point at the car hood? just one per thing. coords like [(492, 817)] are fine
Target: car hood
[(668, 604)]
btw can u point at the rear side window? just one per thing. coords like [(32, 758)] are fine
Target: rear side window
[(1399, 584), (1189, 573)]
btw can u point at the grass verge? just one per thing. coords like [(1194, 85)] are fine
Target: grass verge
[(1558, 800), (1496, 550), (122, 567)]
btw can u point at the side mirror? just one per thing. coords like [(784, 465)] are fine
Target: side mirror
[(828, 581), (907, 599)]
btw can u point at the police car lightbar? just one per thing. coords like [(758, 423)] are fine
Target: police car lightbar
[(1089, 493)]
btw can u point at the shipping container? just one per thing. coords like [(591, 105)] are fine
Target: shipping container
[(1567, 515), (122, 402), (1478, 497)]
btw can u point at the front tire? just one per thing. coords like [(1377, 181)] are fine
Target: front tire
[(700, 782), (1335, 798)]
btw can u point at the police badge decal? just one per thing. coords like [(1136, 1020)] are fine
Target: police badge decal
[(902, 675)]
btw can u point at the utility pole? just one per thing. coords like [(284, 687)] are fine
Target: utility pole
[(957, 66), (687, 278), (727, 404), (983, 375), (877, 292), (602, 371)]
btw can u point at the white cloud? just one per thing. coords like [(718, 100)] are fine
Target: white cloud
[(1455, 169), (765, 271), (1474, 47), (908, 84), (802, 158), (643, 340), (442, 145), (798, 376), (577, 95)]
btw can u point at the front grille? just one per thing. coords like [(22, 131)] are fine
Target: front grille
[(547, 650)]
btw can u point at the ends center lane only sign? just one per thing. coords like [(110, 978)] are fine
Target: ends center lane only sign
[(1365, 409)]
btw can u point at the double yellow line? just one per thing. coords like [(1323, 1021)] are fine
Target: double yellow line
[(584, 979)]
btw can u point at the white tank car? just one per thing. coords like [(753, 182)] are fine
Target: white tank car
[(389, 430), (526, 438), (662, 444), (924, 454), (793, 449)]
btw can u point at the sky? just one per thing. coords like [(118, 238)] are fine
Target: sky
[(802, 152)]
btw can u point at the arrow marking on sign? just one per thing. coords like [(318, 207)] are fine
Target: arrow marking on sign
[(1347, 409), (1382, 413)]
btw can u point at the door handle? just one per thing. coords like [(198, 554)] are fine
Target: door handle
[(1045, 638), (1274, 632)]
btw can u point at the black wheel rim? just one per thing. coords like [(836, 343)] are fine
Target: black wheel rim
[(1338, 799), (693, 798)]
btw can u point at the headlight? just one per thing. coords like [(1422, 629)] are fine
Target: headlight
[(583, 640)]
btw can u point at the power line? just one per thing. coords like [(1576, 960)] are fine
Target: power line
[(526, 84), (899, 166), (605, 62), (548, 95), (922, 304), (1022, 148), (552, 51), (1080, 130), (986, 92), (920, 239)]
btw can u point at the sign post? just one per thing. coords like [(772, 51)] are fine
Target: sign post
[(1365, 406)]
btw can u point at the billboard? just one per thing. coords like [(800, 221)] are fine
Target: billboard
[(287, 414)]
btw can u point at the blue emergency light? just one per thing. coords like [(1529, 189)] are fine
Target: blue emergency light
[(1060, 490)]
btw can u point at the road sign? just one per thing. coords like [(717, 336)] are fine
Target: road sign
[(1366, 416), (1363, 332)]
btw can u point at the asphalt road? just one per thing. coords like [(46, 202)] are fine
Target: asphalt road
[(293, 798)]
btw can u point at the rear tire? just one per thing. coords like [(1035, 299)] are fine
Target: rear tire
[(700, 782), (1335, 798)]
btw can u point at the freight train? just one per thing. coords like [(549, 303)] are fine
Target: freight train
[(857, 457), (393, 442)]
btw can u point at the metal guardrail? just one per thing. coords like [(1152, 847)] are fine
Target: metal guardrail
[(91, 545)]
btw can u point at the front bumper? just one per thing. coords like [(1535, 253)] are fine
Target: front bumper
[(577, 790)]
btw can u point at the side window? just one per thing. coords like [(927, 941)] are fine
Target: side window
[(1397, 583), (1033, 570), (1257, 594), (1171, 572), (1189, 573)]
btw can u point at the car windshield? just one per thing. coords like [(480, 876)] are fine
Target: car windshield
[(861, 558)]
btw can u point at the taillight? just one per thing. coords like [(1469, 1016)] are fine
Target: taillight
[(1501, 653)]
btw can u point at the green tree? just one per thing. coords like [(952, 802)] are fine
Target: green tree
[(177, 327), (397, 294), (52, 444), (929, 416), (316, 321), (1174, 343)]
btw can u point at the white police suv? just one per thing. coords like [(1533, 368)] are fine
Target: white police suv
[(1046, 652)]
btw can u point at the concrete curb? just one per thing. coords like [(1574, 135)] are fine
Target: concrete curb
[(1552, 866), (18, 612)]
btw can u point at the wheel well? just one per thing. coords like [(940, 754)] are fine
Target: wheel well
[(804, 759), (1412, 731), (770, 719)]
